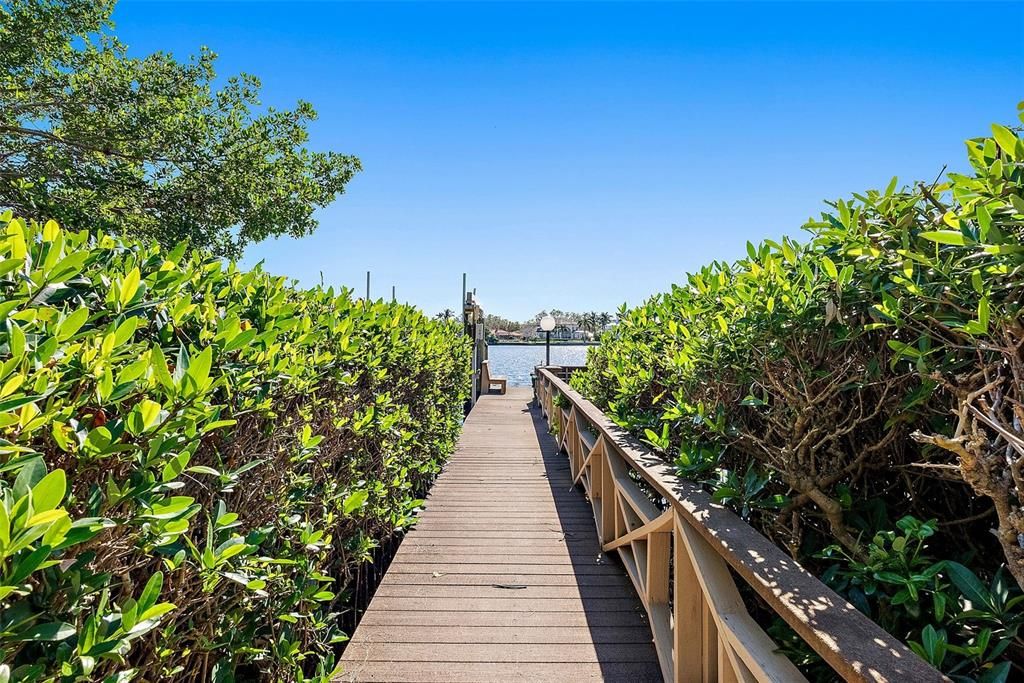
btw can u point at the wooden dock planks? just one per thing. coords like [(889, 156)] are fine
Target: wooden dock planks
[(503, 578)]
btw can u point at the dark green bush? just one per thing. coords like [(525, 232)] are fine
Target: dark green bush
[(195, 459), (858, 399)]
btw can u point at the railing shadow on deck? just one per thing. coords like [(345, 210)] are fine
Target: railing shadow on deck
[(616, 620), (683, 553)]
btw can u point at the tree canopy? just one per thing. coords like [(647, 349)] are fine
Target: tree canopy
[(150, 146)]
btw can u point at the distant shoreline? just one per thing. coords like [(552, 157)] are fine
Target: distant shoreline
[(541, 342)]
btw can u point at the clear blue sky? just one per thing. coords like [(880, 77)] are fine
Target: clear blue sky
[(578, 155)]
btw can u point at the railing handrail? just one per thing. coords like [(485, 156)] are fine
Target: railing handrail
[(852, 644)]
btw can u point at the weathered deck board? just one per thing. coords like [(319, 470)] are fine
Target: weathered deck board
[(503, 578)]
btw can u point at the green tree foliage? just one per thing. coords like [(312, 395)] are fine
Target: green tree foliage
[(592, 321), (194, 460), (96, 139), (497, 322), (811, 387)]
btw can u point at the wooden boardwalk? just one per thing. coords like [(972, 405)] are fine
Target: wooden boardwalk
[(503, 578)]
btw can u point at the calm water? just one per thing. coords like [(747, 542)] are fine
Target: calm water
[(517, 361)]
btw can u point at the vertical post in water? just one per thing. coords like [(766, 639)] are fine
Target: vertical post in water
[(471, 320), (464, 302)]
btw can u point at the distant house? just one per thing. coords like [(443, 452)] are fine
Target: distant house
[(565, 330), (505, 335)]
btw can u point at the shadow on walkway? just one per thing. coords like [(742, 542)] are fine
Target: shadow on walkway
[(622, 637)]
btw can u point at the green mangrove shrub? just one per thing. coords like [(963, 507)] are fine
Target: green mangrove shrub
[(857, 398), (195, 459)]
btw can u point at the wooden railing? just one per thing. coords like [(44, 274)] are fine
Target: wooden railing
[(685, 554), (564, 372)]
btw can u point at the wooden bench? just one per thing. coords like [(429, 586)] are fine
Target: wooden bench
[(486, 380)]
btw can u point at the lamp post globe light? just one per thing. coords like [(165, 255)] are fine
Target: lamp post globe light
[(547, 323)]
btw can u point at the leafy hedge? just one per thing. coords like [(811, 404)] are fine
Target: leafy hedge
[(859, 398), (195, 459)]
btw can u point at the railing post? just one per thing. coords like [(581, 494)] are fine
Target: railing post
[(608, 498), (659, 547), (571, 444), (687, 612), (710, 642)]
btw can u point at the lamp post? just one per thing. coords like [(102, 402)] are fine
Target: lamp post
[(547, 323)]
